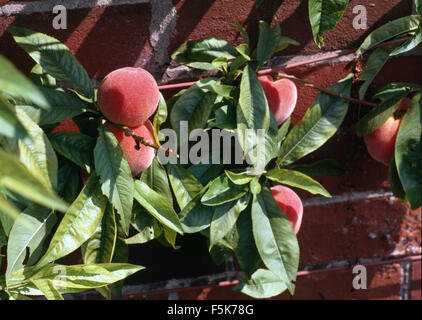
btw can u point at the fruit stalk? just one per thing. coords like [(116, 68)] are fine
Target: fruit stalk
[(141, 140)]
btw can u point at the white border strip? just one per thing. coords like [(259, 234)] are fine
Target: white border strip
[(18, 7)]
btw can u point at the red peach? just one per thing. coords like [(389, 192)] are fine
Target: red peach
[(66, 126), (139, 160), (290, 203), (281, 96), (380, 143), (128, 96)]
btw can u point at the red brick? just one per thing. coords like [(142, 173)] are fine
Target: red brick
[(416, 285), (213, 293), (150, 296), (383, 282), (400, 70), (214, 18), (103, 39), (365, 229)]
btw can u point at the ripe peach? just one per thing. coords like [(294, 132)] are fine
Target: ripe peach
[(139, 160), (281, 96), (67, 125), (128, 96), (380, 143), (290, 203)]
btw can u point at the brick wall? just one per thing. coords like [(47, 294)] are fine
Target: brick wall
[(362, 223)]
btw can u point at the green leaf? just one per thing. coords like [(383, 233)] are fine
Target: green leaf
[(243, 243), (156, 178), (284, 129), (253, 111), (8, 214), (195, 216), (321, 168), (28, 231), (160, 118), (79, 223), (157, 206), (256, 125), (41, 78), (409, 44), (376, 61), (408, 152), (147, 234), (275, 239), (54, 57), (100, 247), (324, 15), (116, 178), (225, 118), (148, 227), (184, 184), (394, 179), (46, 286), (220, 253), (170, 236), (298, 180), (389, 30), (268, 41), (200, 53), (225, 217), (76, 278), (392, 89), (194, 106), (378, 116), (121, 255), (36, 153), (221, 64), (63, 106), (235, 66), (263, 284), (284, 42), (10, 125), (69, 177), (222, 190), (205, 173), (16, 84), (238, 178), (76, 147), (243, 33), (255, 186), (16, 177), (319, 124), (418, 4)]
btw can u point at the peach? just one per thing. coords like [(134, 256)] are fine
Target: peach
[(66, 126), (139, 160), (281, 96), (290, 203), (128, 96), (380, 143)]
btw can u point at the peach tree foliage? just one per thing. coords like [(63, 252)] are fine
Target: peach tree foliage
[(46, 212)]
